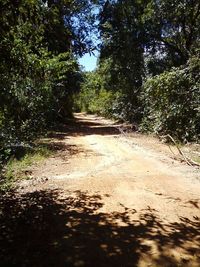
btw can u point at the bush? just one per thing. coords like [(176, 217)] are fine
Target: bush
[(97, 96), (36, 101), (172, 102)]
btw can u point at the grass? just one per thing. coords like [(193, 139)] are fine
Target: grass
[(18, 169), (196, 159)]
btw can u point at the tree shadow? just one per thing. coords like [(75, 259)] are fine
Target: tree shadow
[(81, 127), (58, 147), (52, 146), (46, 228)]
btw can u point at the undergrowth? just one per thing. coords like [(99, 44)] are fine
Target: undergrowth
[(18, 167)]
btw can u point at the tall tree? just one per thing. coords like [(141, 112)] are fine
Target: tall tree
[(39, 42), (68, 25), (122, 36), (167, 30), (172, 28)]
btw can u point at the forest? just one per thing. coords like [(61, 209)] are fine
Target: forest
[(148, 69)]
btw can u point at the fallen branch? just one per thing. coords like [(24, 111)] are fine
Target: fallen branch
[(186, 159)]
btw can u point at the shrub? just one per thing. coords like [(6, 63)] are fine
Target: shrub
[(172, 102)]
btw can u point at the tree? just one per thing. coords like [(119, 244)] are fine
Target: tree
[(172, 28), (122, 42), (69, 25), (39, 44), (146, 38)]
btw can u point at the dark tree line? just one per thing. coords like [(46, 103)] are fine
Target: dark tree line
[(148, 68)]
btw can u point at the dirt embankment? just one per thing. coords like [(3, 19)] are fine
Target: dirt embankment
[(105, 200)]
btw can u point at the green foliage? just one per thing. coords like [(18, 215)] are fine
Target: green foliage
[(172, 102), (143, 73), (97, 96), (18, 166), (122, 50), (93, 98), (38, 69), (172, 27), (100, 103)]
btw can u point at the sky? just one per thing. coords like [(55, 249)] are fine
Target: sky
[(88, 61)]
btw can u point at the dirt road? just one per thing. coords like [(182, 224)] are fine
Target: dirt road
[(105, 200)]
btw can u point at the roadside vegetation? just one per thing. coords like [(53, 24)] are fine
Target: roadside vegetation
[(39, 72), (149, 69), (19, 166)]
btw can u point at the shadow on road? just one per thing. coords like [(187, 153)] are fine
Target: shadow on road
[(81, 126), (45, 229)]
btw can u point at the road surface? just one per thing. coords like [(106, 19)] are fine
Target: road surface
[(103, 200)]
